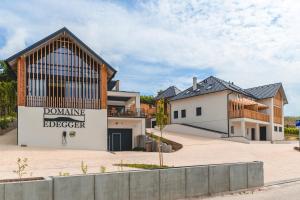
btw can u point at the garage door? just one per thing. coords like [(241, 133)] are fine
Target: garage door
[(119, 139)]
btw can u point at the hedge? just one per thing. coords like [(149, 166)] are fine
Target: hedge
[(292, 131)]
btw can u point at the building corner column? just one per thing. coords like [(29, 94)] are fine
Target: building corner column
[(243, 128), (257, 132)]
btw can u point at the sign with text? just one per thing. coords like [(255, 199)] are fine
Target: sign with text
[(64, 118)]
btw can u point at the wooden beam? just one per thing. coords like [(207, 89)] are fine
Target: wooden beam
[(103, 86), (21, 82)]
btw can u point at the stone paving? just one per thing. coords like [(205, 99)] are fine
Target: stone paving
[(281, 161)]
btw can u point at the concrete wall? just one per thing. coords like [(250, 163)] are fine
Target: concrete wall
[(32, 133), (136, 124), (214, 111), (160, 184), (31, 190), (178, 128)]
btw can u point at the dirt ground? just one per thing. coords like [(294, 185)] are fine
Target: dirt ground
[(280, 160)]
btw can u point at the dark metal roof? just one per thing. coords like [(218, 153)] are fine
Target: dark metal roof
[(267, 91), (210, 85), (213, 84), (168, 93), (60, 31)]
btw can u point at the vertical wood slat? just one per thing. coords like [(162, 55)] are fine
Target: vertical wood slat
[(72, 67), (21, 81), (103, 79)]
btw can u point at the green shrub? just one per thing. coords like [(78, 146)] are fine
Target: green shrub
[(291, 131), (4, 123), (141, 166), (138, 149)]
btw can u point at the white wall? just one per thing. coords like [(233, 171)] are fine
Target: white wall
[(178, 128), (271, 134), (136, 124), (32, 133), (214, 111)]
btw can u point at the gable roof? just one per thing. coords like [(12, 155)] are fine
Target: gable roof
[(267, 91), (63, 30), (210, 85), (213, 84), (168, 93)]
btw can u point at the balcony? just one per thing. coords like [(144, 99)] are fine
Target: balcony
[(130, 113), (251, 114)]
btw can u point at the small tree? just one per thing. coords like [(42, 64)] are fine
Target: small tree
[(22, 165), (84, 168), (161, 122)]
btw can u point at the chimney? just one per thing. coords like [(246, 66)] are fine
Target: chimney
[(194, 83), (117, 85)]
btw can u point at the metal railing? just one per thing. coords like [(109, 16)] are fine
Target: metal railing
[(126, 113)]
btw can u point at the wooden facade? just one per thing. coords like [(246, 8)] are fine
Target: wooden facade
[(239, 110), (60, 73), (278, 112)]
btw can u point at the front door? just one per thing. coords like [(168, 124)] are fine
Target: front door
[(263, 133), (252, 133)]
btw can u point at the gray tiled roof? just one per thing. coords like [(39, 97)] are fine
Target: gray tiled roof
[(266, 91), (209, 85), (168, 93), (213, 84)]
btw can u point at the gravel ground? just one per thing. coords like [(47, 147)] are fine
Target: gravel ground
[(281, 161)]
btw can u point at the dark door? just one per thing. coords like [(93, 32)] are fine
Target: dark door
[(263, 133), (119, 139), (116, 141), (252, 133)]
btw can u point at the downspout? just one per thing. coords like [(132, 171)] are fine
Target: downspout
[(228, 128)]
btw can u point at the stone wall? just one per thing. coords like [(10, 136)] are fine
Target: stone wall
[(160, 184)]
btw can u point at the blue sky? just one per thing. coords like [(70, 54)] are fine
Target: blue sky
[(154, 44)]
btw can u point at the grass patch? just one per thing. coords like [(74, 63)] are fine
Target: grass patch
[(175, 146), (142, 166)]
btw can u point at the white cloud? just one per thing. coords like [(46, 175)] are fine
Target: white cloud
[(248, 42)]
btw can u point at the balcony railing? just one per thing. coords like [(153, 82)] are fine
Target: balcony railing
[(251, 114), (126, 113), (62, 102)]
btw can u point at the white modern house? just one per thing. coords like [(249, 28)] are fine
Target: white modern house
[(222, 107), (67, 98)]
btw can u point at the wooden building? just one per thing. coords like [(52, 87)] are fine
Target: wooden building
[(63, 97)]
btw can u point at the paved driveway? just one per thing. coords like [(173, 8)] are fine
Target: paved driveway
[(281, 161), (290, 191)]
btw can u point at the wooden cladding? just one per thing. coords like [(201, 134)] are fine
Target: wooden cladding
[(62, 74), (278, 100), (237, 110), (21, 82), (103, 85), (277, 115)]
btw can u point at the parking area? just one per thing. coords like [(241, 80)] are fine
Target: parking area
[(281, 161)]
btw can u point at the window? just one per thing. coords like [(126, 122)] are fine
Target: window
[(198, 111), (275, 128), (176, 114), (232, 129), (183, 113), (280, 129)]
